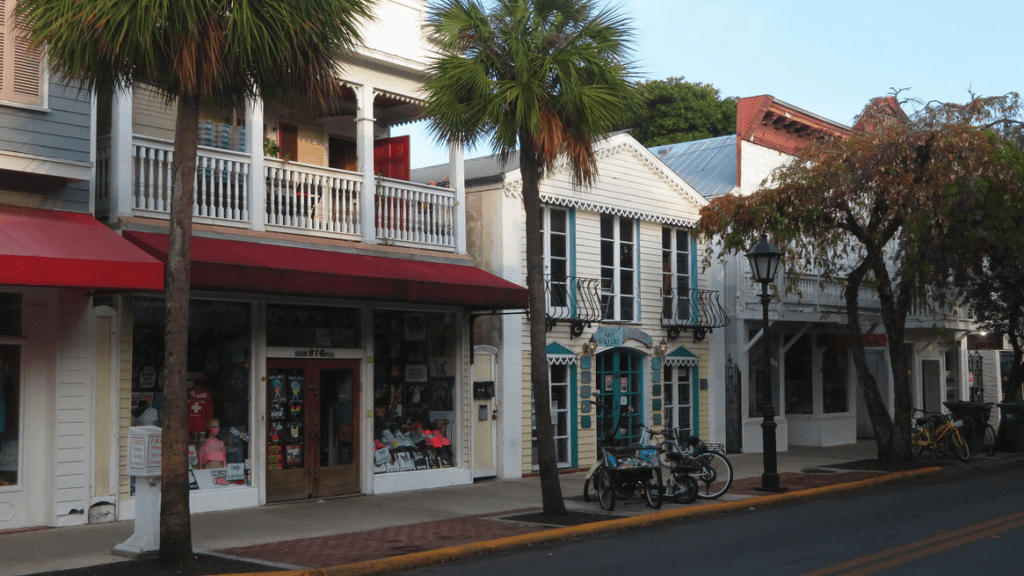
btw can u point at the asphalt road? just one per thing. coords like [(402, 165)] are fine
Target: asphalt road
[(968, 522)]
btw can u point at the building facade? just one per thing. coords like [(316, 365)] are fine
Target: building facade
[(627, 307), (813, 384), (60, 270)]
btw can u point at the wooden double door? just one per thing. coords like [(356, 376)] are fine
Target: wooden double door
[(313, 428)]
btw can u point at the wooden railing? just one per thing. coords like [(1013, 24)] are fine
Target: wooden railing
[(313, 198), (415, 213), (298, 197), (221, 184)]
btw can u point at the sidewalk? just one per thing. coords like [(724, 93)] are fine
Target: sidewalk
[(313, 534)]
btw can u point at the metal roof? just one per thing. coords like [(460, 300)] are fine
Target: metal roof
[(483, 167), (708, 165)]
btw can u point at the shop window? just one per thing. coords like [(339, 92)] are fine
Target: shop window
[(10, 315), (678, 394), (799, 377), (218, 380), (313, 327), (10, 412), (834, 379), (759, 383), (561, 417), (414, 391)]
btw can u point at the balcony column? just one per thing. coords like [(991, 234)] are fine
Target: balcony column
[(364, 150), (257, 179), (121, 166), (457, 170)]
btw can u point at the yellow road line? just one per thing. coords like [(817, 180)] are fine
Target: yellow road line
[(886, 559)]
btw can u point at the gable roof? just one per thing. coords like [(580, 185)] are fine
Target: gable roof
[(708, 165), (490, 169)]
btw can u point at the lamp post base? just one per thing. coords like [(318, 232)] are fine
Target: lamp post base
[(770, 477)]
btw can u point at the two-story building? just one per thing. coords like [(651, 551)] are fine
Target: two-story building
[(627, 307), (59, 270), (813, 384), (331, 296)]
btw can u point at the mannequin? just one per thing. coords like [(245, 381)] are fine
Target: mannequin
[(212, 453)]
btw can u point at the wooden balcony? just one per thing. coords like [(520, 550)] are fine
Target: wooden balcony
[(289, 197)]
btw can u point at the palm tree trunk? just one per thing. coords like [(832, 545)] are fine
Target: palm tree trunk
[(551, 490), (175, 516)]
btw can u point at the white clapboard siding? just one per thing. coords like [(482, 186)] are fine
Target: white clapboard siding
[(73, 416)]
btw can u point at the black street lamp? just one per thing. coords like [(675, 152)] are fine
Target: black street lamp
[(764, 262)]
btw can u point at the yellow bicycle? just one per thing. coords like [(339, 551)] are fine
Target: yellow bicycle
[(940, 435)]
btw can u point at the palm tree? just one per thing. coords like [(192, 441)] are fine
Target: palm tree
[(193, 50), (546, 77)]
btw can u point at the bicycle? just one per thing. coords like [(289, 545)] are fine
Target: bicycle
[(978, 414), (621, 472), (705, 463), (940, 435), (679, 485)]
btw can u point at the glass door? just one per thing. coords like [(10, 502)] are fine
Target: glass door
[(619, 374), (312, 428)]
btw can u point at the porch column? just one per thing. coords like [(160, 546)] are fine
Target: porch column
[(457, 169), (364, 150), (257, 180), (121, 169)]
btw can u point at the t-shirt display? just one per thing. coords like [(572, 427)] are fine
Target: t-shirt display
[(414, 394)]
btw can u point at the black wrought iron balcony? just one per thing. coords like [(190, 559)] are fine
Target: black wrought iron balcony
[(692, 309), (574, 300)]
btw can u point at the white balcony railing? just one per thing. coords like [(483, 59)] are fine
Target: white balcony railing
[(415, 213), (298, 198), (308, 197), (221, 184)]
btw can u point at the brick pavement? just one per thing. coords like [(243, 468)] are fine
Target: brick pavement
[(385, 542)]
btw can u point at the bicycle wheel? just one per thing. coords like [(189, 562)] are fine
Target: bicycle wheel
[(605, 489), (715, 476), (590, 485), (685, 488), (652, 489), (959, 446), (988, 440)]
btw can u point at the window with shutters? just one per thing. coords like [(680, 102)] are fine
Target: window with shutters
[(21, 69)]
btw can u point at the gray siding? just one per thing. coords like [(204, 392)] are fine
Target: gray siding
[(60, 132)]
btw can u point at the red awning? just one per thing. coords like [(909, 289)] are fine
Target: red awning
[(265, 268), (67, 249)]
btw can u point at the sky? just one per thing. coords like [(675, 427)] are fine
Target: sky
[(828, 57)]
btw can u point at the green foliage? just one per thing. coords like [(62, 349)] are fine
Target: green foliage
[(554, 72), (228, 50), (678, 111)]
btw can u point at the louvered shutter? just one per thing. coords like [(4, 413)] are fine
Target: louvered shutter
[(21, 69)]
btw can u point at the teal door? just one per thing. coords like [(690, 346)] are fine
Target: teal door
[(619, 379)]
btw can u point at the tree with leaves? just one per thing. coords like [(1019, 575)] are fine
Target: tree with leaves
[(545, 77), (675, 110), (880, 208), (226, 51)]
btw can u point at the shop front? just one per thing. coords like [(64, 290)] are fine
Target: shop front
[(311, 395)]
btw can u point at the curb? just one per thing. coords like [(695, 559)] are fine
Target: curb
[(430, 557)]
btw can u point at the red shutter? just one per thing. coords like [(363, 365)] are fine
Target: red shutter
[(391, 157)]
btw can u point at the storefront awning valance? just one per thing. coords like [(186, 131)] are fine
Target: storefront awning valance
[(680, 357), (68, 249), (219, 264), (560, 354)]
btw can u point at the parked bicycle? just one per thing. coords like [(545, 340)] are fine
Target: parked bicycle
[(939, 434), (977, 415), (705, 463), (621, 472), (679, 485)]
